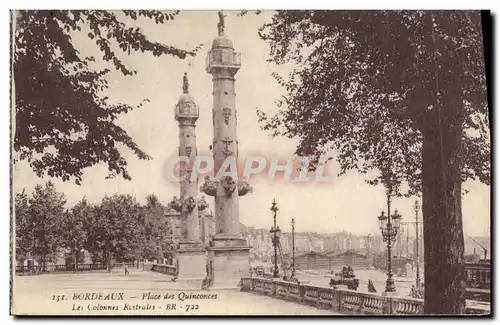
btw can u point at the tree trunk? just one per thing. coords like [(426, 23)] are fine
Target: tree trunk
[(76, 260), (444, 272), (442, 208), (108, 259)]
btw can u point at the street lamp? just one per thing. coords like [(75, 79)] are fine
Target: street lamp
[(389, 226), (416, 207), (293, 247), (276, 231)]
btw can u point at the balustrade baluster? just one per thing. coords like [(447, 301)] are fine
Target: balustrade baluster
[(361, 304)]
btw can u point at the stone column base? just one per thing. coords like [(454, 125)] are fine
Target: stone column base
[(229, 257), (191, 264)]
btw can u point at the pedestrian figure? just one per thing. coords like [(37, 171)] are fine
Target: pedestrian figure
[(126, 269), (413, 292), (371, 287)]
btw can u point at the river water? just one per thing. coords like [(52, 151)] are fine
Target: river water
[(403, 285)]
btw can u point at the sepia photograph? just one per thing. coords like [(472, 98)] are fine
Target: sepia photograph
[(250, 163)]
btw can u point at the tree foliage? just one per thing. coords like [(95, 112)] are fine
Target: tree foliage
[(46, 210), (64, 122), (117, 229), (155, 228), (23, 231), (75, 226), (364, 87)]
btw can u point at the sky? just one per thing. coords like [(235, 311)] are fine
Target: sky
[(347, 203)]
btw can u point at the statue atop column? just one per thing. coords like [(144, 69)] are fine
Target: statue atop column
[(220, 25), (185, 84)]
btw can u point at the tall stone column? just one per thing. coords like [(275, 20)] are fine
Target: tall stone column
[(189, 188), (191, 254), (229, 250), (225, 143)]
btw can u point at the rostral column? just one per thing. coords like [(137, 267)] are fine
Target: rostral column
[(230, 251), (191, 255)]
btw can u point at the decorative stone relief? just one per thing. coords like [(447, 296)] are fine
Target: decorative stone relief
[(228, 184), (227, 151), (190, 204), (244, 188), (192, 109), (226, 113), (184, 109), (175, 204), (188, 176), (202, 204), (189, 151), (209, 187)]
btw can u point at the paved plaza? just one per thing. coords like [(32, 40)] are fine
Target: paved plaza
[(139, 293)]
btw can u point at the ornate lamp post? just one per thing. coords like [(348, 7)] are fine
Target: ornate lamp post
[(416, 207), (170, 247), (293, 247), (276, 231), (389, 226)]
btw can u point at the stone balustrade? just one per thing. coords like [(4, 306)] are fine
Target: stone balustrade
[(164, 268), (343, 300), (407, 306)]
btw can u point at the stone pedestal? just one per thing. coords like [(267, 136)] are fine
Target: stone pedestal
[(191, 264), (229, 257), (409, 271), (389, 306)]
